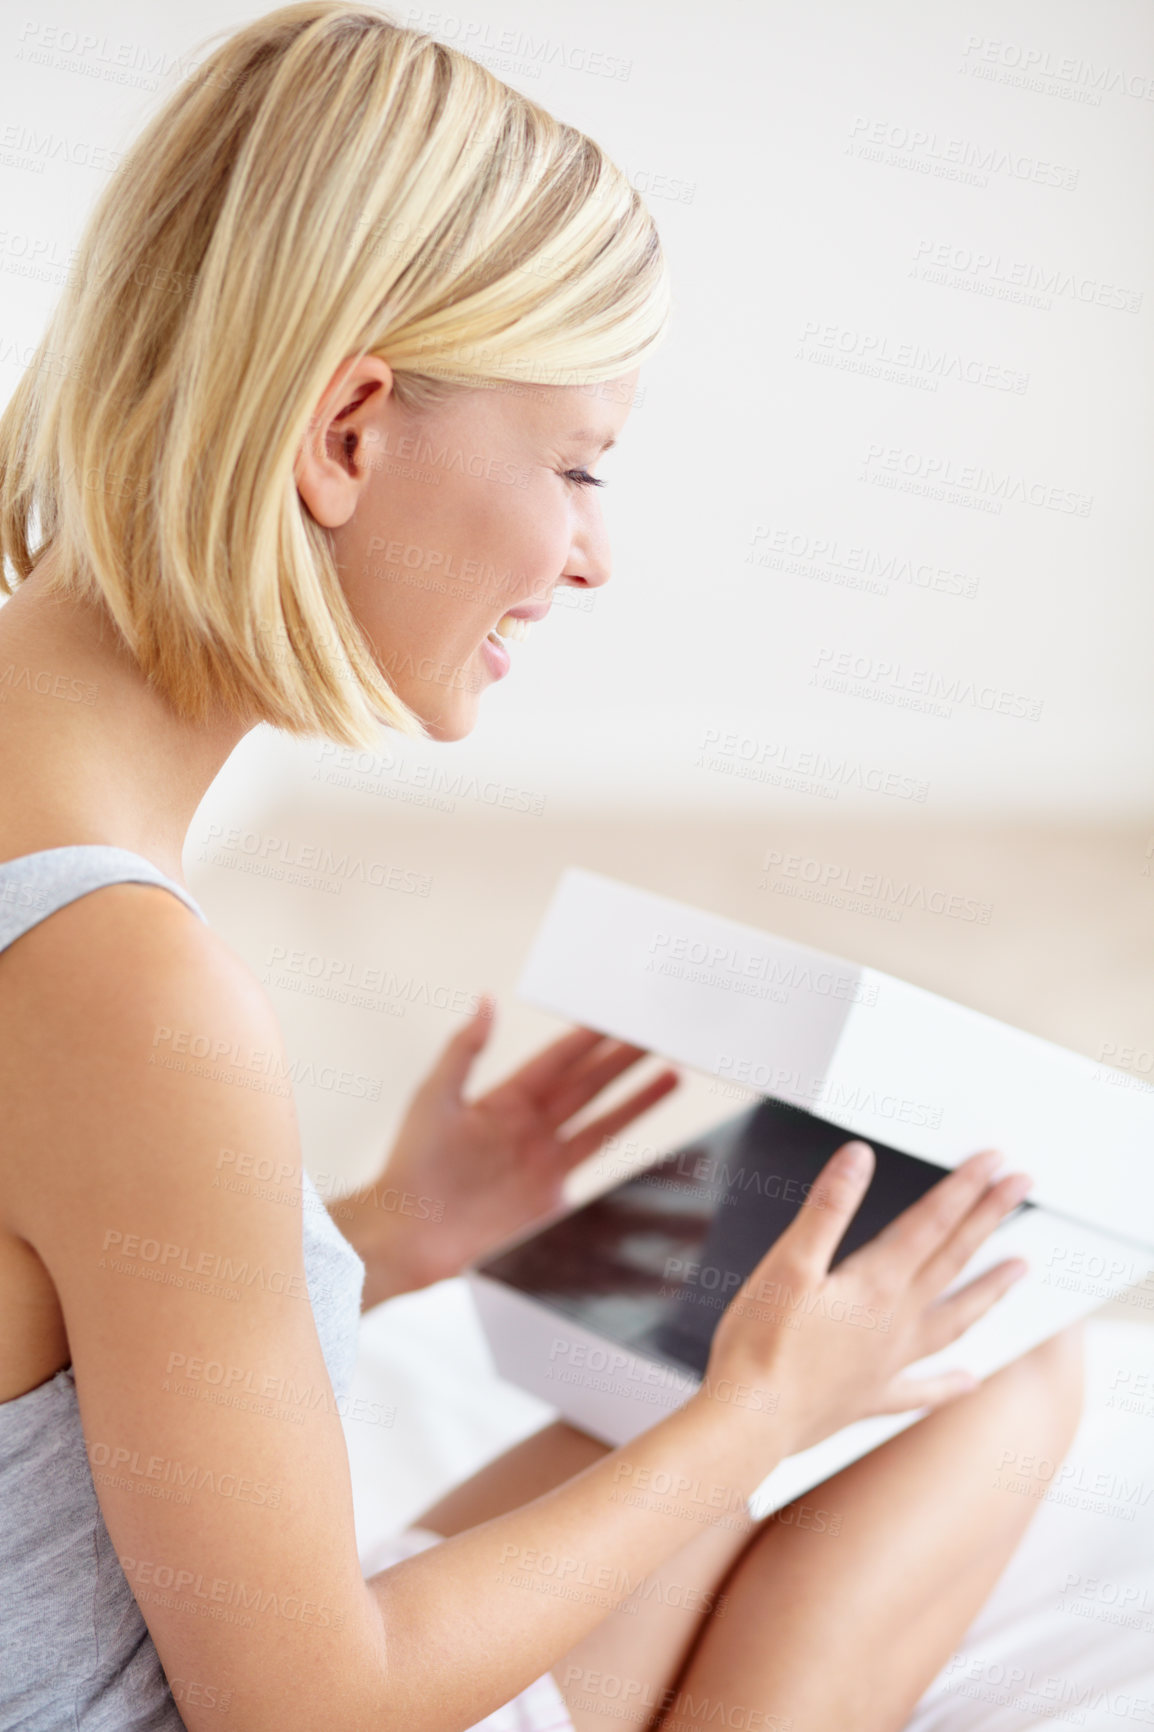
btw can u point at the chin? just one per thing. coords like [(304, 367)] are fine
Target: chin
[(455, 726)]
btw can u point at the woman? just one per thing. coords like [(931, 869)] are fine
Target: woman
[(350, 296)]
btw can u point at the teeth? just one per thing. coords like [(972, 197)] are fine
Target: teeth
[(516, 629)]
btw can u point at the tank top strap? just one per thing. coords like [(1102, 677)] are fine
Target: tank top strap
[(36, 885)]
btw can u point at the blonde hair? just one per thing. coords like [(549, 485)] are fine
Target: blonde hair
[(328, 183)]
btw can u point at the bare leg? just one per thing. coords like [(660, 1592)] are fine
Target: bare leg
[(660, 1633), (829, 1632), (840, 1610), (526, 1471)]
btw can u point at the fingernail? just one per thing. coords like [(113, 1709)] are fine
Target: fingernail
[(1022, 1186), (852, 1158)]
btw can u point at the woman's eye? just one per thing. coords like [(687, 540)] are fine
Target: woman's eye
[(583, 477)]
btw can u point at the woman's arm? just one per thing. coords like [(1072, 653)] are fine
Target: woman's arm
[(233, 1516), (216, 1450), (378, 1222)]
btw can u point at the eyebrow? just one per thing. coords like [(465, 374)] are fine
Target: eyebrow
[(591, 433)]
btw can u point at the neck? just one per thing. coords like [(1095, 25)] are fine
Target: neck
[(89, 752)]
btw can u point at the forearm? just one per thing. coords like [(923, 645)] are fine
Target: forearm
[(387, 1240), (472, 1621)]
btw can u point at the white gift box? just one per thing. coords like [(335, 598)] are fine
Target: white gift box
[(862, 1053)]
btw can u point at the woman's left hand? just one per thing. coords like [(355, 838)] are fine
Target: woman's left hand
[(464, 1175)]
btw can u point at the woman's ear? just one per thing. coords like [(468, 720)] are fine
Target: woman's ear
[(335, 458)]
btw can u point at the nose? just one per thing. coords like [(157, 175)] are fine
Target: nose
[(590, 562)]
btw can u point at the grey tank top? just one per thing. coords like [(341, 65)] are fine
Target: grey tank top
[(75, 1652)]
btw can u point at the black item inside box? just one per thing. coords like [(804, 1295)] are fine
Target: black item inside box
[(652, 1263)]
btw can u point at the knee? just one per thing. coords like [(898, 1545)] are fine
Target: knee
[(1050, 1379)]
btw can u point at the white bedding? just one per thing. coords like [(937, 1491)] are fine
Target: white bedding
[(1067, 1636)]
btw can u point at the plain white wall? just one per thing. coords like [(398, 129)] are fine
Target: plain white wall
[(912, 255)]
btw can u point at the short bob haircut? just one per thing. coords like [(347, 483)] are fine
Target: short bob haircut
[(326, 184)]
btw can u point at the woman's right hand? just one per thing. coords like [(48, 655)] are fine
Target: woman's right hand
[(817, 1349)]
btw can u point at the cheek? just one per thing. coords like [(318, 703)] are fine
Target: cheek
[(523, 537)]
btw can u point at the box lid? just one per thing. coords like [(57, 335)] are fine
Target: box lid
[(869, 1052)]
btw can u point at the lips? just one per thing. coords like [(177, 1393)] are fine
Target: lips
[(532, 610), (513, 626)]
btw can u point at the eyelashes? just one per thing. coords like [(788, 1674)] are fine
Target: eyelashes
[(583, 478)]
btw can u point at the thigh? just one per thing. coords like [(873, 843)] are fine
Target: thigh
[(650, 1636), (846, 1622), (527, 1470)]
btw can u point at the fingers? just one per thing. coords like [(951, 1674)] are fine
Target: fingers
[(817, 1229), (951, 1317), (449, 1074), (920, 1231), (987, 1213), (906, 1393), (590, 1137), (584, 1079), (541, 1072)]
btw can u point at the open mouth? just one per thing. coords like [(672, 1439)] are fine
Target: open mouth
[(510, 629)]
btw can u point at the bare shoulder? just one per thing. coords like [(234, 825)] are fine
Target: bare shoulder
[(129, 1016), (124, 945)]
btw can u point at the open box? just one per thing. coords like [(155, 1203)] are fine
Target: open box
[(607, 1312)]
